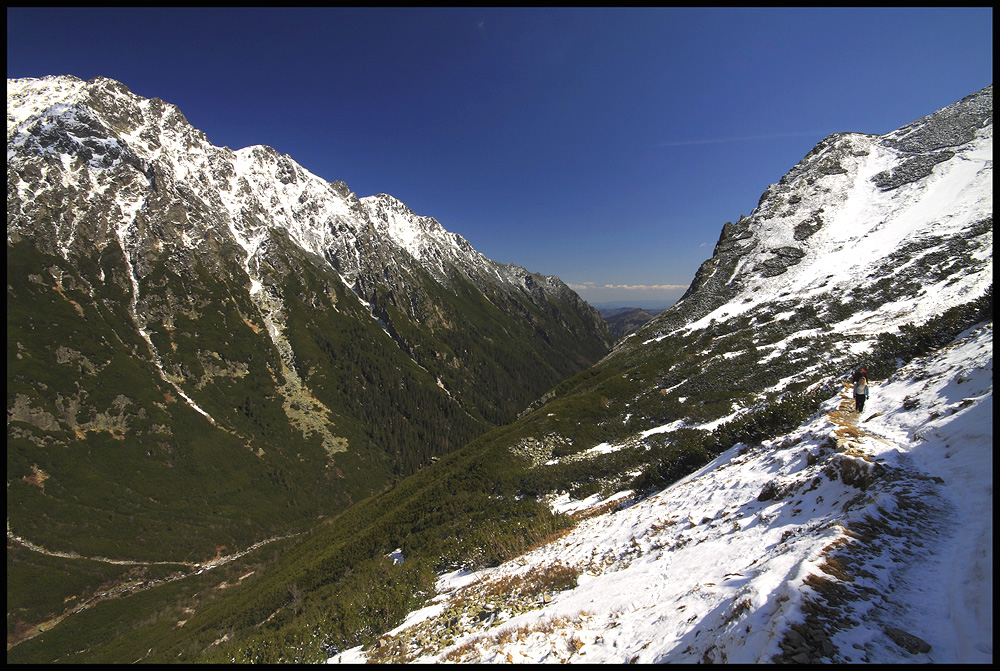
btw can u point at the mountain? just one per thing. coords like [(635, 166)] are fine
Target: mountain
[(877, 213), (207, 348), (702, 493), (864, 240)]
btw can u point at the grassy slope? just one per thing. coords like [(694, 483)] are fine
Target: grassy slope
[(105, 459)]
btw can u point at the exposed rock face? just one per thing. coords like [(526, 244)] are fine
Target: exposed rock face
[(928, 141), (711, 287), (910, 170), (912, 644), (951, 126)]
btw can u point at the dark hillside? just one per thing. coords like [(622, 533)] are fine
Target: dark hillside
[(623, 321)]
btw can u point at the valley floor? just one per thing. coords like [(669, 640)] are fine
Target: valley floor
[(855, 538), (117, 589)]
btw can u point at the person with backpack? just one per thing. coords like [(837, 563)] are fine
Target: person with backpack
[(858, 374), (860, 393)]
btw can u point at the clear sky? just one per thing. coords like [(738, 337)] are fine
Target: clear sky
[(605, 146)]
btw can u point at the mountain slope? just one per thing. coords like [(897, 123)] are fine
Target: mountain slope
[(832, 263), (850, 539), (860, 220), (208, 348), (784, 547)]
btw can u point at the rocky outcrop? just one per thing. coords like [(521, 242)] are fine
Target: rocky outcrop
[(927, 141), (951, 126), (910, 170)]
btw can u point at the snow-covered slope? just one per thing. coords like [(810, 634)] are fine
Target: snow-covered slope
[(861, 220), (822, 544)]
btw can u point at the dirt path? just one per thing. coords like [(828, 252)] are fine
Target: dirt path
[(24, 632), (869, 542), (848, 419)]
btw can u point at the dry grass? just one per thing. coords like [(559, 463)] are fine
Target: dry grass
[(659, 527), (505, 593), (739, 608), (543, 541), (551, 578), (831, 592), (848, 431), (390, 651), (599, 509), (37, 477), (467, 652), (835, 567)]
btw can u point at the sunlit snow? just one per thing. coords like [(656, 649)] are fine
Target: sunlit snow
[(706, 571)]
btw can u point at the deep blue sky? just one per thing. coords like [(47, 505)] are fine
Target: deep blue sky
[(605, 146)]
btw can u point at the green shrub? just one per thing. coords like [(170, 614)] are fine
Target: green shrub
[(892, 350)]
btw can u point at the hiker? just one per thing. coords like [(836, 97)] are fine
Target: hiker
[(858, 374), (860, 393)]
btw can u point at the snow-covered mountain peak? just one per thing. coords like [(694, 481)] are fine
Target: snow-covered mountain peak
[(393, 218), (102, 126), (856, 210), (30, 98), (423, 237), (132, 172)]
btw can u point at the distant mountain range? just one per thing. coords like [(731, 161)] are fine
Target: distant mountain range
[(623, 321), (214, 349), (652, 306)]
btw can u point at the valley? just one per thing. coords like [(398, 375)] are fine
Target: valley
[(123, 587), (625, 321), (239, 395)]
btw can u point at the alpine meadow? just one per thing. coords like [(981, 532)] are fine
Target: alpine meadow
[(252, 417)]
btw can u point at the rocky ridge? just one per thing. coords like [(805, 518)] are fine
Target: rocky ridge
[(225, 200), (802, 218)]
